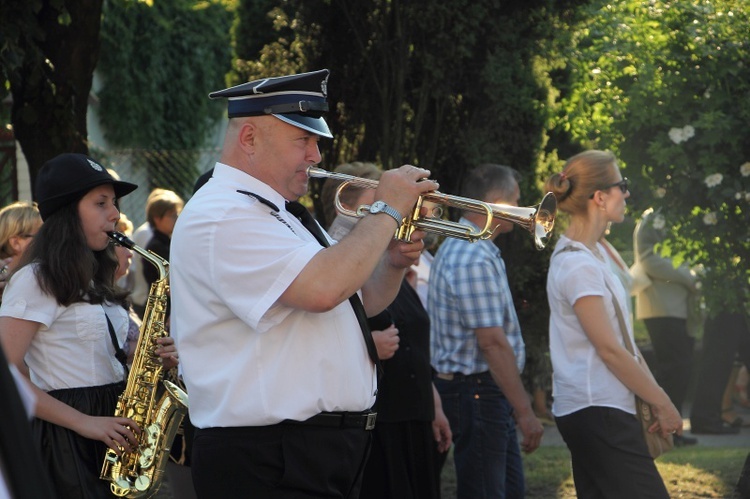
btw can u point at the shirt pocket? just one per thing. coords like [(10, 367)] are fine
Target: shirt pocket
[(89, 324)]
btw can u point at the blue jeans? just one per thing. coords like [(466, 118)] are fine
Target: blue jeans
[(486, 451)]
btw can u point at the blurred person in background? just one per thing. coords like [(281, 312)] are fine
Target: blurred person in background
[(19, 223), (411, 423), (141, 236), (664, 307)]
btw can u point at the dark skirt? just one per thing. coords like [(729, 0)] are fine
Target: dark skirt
[(74, 462), (402, 463)]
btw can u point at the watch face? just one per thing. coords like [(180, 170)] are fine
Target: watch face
[(376, 206)]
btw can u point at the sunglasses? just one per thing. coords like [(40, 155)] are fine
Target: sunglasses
[(622, 184)]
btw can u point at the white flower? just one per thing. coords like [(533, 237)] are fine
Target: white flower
[(679, 135), (659, 222), (739, 195), (714, 179), (710, 218), (745, 169), (660, 192), (675, 135)]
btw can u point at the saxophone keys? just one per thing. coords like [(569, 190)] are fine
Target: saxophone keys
[(146, 459), (142, 483)]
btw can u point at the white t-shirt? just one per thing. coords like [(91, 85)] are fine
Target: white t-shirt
[(246, 359), (580, 378), (423, 275), (72, 347)]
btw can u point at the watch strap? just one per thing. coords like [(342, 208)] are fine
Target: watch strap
[(389, 210)]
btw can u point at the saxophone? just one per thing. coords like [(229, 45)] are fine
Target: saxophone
[(140, 472)]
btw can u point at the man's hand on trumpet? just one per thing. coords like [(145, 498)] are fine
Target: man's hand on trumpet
[(400, 188)]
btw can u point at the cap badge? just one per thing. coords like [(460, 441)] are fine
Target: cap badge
[(95, 165)]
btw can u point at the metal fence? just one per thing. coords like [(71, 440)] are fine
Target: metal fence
[(176, 170)]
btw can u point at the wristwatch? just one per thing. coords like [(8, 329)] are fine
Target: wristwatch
[(382, 207)]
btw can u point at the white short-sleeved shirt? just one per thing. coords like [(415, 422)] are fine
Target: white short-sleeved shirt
[(73, 347), (580, 378), (246, 359)]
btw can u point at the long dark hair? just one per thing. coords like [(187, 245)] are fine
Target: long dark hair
[(66, 267)]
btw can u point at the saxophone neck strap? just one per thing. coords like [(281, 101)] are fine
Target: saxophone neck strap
[(119, 353)]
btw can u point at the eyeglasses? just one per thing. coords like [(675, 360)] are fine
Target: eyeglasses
[(622, 184), (28, 236)]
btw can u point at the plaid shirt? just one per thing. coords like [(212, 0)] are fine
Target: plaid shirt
[(468, 289)]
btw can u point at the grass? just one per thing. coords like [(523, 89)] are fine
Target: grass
[(687, 472)]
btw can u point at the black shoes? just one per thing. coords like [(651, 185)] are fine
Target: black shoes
[(682, 440), (713, 427)]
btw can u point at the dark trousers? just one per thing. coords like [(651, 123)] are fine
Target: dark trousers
[(609, 455), (721, 340), (279, 461), (486, 453), (673, 348)]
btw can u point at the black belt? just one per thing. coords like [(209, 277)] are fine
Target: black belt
[(459, 376), (363, 420)]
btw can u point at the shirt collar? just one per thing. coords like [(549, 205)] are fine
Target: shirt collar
[(238, 178)]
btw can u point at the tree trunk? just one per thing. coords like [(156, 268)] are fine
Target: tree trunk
[(51, 88)]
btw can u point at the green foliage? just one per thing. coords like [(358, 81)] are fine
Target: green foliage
[(446, 86), (665, 85), (158, 65)]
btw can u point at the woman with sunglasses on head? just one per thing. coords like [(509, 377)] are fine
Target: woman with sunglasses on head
[(19, 223), (62, 321), (595, 378)]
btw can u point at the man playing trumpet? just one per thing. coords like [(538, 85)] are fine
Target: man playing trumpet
[(280, 376)]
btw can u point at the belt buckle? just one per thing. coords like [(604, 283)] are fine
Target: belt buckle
[(446, 376), (370, 421)]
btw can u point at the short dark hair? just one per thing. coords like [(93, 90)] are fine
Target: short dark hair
[(489, 177)]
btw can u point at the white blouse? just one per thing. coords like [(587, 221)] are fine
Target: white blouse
[(72, 347), (580, 377)]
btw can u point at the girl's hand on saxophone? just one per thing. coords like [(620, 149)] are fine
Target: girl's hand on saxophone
[(120, 434), (167, 351)]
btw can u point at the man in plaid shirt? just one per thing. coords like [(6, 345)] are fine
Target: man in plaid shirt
[(478, 351)]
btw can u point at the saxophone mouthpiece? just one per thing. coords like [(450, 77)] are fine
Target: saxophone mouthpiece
[(121, 239)]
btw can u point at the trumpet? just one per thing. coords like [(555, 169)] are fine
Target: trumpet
[(538, 220)]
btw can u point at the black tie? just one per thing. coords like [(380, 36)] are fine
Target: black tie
[(299, 211)]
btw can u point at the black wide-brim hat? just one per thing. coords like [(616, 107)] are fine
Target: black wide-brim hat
[(298, 99), (68, 177)]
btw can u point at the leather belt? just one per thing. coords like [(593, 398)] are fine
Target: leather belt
[(363, 420), (452, 376)]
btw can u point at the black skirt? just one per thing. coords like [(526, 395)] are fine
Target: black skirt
[(74, 462), (402, 463)]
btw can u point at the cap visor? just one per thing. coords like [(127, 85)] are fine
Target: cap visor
[(123, 188), (317, 126)]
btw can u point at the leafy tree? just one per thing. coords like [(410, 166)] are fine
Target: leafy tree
[(48, 52), (158, 64), (665, 84), (442, 85)]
